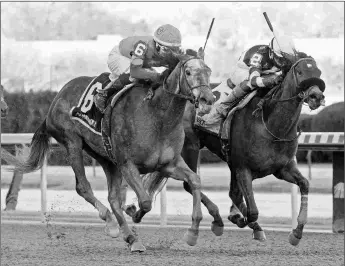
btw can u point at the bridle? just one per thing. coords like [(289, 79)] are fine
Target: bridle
[(182, 76), (301, 96)]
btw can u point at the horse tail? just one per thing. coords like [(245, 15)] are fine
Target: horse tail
[(154, 183), (31, 158)]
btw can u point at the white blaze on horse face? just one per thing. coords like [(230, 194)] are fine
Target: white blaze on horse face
[(194, 67), (196, 93)]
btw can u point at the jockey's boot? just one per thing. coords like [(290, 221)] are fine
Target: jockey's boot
[(219, 111), (100, 98), (233, 98)]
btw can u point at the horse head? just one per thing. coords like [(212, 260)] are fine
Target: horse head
[(193, 77), (303, 80), (4, 107)]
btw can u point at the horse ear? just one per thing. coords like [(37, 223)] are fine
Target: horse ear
[(179, 56), (201, 53), (191, 52)]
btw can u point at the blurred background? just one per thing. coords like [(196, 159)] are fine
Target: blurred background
[(46, 44)]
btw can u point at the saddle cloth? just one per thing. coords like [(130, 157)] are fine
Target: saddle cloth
[(88, 115), (86, 112)]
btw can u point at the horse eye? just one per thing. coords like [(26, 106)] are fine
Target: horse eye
[(187, 72), (299, 72)]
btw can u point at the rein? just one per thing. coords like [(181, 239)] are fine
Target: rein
[(177, 93), (300, 97)]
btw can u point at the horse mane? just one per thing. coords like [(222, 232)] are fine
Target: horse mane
[(296, 56), (172, 60)]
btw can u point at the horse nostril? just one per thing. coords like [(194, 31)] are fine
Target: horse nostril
[(202, 100)]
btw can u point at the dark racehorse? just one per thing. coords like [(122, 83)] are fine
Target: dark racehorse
[(4, 106), (262, 145), (146, 135)]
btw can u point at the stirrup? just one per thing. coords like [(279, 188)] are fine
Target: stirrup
[(100, 101), (110, 84), (149, 95)]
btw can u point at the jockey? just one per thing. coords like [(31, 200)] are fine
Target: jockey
[(134, 58), (261, 66)]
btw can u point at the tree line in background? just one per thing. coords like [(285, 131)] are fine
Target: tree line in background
[(86, 20), (63, 21), (28, 110)]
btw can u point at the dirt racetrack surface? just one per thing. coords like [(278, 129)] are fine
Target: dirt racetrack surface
[(88, 245)]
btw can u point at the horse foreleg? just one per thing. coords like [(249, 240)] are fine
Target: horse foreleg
[(83, 187), (181, 171), (244, 181), (217, 225), (131, 174), (291, 174), (109, 170), (115, 188), (191, 158), (238, 208)]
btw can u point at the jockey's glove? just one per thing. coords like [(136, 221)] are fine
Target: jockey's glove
[(278, 79)]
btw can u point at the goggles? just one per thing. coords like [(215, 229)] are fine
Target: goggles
[(165, 49)]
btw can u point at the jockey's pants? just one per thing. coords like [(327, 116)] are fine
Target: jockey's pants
[(220, 109), (118, 64)]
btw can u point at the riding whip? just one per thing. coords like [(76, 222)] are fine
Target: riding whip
[(209, 31), (271, 28)]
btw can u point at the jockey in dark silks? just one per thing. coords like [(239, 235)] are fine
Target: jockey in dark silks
[(261, 66), (134, 58)]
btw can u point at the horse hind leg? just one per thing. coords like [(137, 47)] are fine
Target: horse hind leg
[(291, 174), (83, 187)]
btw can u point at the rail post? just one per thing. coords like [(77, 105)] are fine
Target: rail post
[(44, 188), (338, 192), (164, 218), (94, 167)]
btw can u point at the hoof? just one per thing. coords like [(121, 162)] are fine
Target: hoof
[(242, 222), (293, 240), (136, 219), (112, 231), (234, 218), (259, 235), (190, 237), (216, 229), (137, 246), (130, 210)]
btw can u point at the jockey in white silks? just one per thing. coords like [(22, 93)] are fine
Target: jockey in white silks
[(251, 74)]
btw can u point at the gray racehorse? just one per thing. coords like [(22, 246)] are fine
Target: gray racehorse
[(147, 136)]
